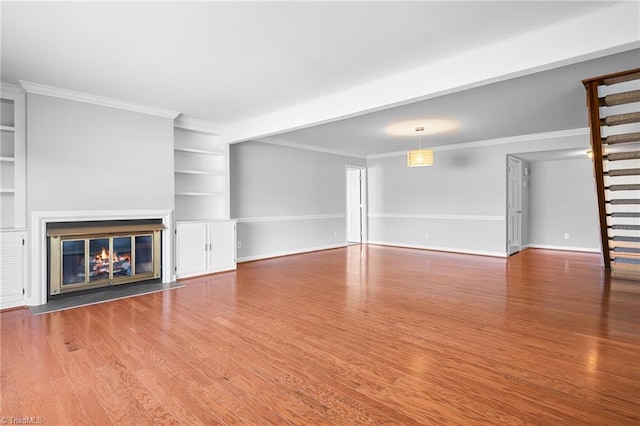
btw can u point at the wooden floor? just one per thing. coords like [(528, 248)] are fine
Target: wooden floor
[(346, 336)]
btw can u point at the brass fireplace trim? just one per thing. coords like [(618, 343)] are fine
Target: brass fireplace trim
[(104, 231), (57, 236)]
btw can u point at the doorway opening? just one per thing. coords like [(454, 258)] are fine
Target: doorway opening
[(514, 205), (356, 204)]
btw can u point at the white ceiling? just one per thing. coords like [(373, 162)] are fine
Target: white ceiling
[(232, 63), (547, 101)]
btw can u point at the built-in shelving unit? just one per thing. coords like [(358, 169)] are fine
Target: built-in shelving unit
[(205, 237), (201, 173), (12, 197), (12, 159)]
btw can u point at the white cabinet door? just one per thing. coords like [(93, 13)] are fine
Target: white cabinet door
[(222, 244), (191, 249), (12, 255), (205, 247)]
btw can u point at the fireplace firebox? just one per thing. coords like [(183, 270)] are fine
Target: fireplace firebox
[(84, 256)]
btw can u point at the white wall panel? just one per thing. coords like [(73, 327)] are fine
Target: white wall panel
[(287, 200), (563, 200), (87, 157)]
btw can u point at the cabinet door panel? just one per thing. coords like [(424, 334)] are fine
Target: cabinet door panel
[(11, 269), (191, 241), (222, 239)]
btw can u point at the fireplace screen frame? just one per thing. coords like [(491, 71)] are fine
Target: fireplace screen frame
[(85, 234)]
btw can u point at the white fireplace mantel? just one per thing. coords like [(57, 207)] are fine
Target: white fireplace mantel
[(36, 288)]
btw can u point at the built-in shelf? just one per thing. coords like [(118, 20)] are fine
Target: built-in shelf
[(201, 176), (200, 194), (200, 151), (13, 235), (200, 172)]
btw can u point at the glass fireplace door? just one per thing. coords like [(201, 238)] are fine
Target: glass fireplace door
[(101, 260)]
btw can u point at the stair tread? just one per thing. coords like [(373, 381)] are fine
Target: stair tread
[(625, 238), (626, 249), (624, 214), (629, 155), (623, 172), (624, 201), (618, 119), (624, 187), (632, 260), (625, 227), (622, 138), (620, 98)]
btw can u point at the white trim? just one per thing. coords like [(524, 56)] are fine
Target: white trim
[(565, 248), (491, 142), (289, 252), (41, 89), (436, 216), (37, 280), (10, 89), (441, 248), (274, 141), (188, 123), (289, 218)]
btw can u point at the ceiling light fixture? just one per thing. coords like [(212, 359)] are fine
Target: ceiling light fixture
[(420, 157), (431, 126)]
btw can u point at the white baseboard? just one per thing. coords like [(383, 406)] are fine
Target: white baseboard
[(289, 252), (438, 248), (565, 248)]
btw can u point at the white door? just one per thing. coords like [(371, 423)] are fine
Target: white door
[(354, 205), (514, 205), (191, 248), (222, 246)]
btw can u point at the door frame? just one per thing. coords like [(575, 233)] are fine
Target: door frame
[(512, 249), (363, 203)]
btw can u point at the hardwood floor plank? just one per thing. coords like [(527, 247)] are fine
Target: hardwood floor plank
[(357, 335)]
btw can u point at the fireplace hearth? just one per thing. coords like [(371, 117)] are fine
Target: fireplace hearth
[(88, 255)]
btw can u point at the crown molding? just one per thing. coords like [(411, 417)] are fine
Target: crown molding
[(10, 88), (491, 142), (193, 124), (274, 141), (41, 89), (290, 218), (436, 216)]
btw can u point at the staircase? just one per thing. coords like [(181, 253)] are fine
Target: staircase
[(614, 117)]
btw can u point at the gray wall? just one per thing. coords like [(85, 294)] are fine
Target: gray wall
[(287, 200), (459, 204), (563, 200), (87, 157)]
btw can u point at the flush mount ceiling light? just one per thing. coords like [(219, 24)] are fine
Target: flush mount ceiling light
[(420, 157), (431, 126)]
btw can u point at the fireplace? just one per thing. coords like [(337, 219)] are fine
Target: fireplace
[(93, 254)]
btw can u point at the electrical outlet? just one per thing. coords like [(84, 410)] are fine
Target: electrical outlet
[(239, 244), (566, 236)]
